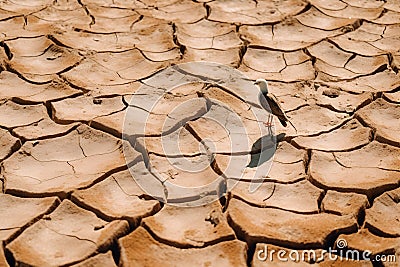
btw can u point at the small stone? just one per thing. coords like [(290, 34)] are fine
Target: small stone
[(97, 101)]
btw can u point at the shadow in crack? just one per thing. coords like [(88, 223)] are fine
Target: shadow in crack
[(263, 149)]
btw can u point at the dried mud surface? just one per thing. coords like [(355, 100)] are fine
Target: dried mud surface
[(68, 69)]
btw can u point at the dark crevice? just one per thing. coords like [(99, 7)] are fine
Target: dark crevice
[(363, 123), (392, 63), (11, 17), (49, 109), (361, 217), (306, 8), (105, 176), (182, 48), (353, 56), (70, 67), (104, 128), (395, 90), (376, 136), (116, 253), (136, 21), (9, 257), (92, 18), (271, 180), (57, 42), (2, 182), (224, 195), (338, 47), (208, 10), (384, 11), (6, 50), (239, 233), (13, 149), (313, 60), (320, 199), (26, 194), (260, 47), (242, 52), (251, 250)]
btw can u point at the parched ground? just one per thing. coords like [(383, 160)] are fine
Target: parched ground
[(68, 72)]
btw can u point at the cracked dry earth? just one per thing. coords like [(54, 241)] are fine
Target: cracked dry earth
[(68, 72)]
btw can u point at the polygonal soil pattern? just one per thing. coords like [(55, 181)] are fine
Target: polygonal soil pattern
[(76, 74)]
